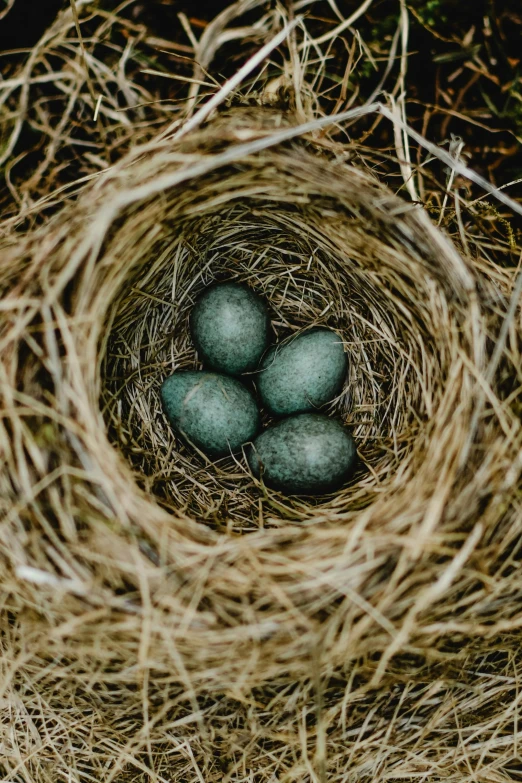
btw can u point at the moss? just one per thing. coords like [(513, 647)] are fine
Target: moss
[(430, 12)]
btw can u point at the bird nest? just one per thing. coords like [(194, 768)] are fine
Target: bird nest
[(183, 620)]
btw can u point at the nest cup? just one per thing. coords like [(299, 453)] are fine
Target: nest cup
[(184, 576), (323, 244)]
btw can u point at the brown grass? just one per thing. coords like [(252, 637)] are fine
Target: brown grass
[(164, 618)]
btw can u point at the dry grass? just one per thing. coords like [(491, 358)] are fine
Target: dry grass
[(164, 618)]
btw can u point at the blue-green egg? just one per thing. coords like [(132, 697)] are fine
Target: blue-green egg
[(304, 373), (307, 454), (213, 412), (230, 328)]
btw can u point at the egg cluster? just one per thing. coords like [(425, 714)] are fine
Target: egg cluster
[(304, 452)]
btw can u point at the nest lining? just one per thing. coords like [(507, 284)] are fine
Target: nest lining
[(317, 261)]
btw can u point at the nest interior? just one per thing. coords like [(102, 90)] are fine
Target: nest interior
[(323, 246), (193, 616)]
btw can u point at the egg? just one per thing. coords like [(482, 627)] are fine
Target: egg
[(213, 412), (230, 328), (306, 454), (302, 374)]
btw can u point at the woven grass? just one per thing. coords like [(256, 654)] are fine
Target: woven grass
[(165, 618)]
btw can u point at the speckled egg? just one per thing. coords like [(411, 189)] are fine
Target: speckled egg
[(307, 454), (213, 412), (304, 373), (230, 328)]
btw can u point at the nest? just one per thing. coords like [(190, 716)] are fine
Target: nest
[(183, 621)]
